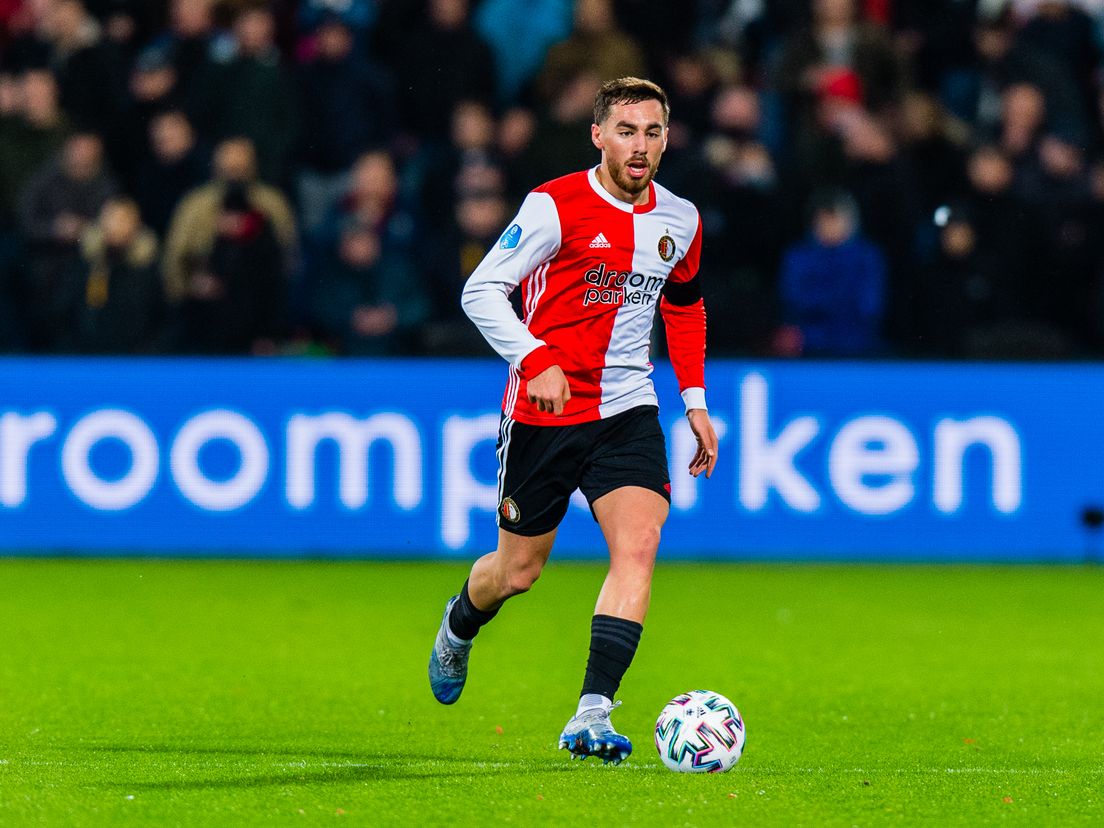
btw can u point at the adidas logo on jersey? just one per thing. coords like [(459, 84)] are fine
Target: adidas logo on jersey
[(600, 241)]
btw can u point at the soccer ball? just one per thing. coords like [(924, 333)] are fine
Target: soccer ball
[(699, 732)]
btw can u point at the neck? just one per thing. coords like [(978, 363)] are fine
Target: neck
[(610, 186)]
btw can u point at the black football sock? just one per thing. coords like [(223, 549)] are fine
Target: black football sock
[(465, 619), (613, 643)]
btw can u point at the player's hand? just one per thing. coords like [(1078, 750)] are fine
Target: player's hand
[(548, 390), (705, 458)]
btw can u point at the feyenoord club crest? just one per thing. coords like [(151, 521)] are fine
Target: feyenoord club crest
[(509, 511), (666, 248)]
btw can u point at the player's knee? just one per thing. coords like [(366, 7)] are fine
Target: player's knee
[(639, 550), (645, 542)]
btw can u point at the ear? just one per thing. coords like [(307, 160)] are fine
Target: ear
[(596, 136)]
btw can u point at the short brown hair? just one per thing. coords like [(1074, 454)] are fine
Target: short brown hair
[(628, 91)]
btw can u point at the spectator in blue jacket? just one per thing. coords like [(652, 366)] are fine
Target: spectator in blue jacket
[(520, 34), (833, 285)]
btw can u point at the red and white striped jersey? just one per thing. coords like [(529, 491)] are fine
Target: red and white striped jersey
[(591, 269)]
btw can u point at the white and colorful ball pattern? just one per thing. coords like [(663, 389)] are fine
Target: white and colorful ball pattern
[(699, 732)]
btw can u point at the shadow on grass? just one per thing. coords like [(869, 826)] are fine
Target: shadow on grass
[(339, 775), (271, 751), (359, 766)]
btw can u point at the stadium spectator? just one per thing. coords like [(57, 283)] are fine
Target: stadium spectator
[(733, 181), (936, 145), (597, 46), (1011, 242), (937, 38), (695, 82), (469, 162), (197, 222), (374, 200), (90, 70), (172, 164), (237, 291), (56, 206), (812, 150), (462, 68), (838, 43), (358, 15), (30, 135), (755, 30), (519, 35), (153, 90), (833, 285), (366, 299), (112, 296), (1004, 60), (883, 183), (457, 251), (188, 41), (555, 144), (1069, 36), (349, 104), (32, 131), (1055, 186), (516, 129), (960, 296), (249, 93)]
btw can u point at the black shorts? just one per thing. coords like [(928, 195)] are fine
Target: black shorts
[(540, 466)]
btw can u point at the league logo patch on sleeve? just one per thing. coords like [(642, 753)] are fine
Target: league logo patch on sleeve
[(510, 238)]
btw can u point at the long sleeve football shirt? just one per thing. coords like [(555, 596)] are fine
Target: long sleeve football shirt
[(592, 270)]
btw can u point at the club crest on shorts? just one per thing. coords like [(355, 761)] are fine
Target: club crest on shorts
[(666, 248), (509, 510)]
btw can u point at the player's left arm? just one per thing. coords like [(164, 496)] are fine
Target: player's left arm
[(683, 312)]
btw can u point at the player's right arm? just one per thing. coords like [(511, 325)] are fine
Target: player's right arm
[(528, 244)]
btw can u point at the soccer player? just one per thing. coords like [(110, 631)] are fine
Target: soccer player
[(594, 252)]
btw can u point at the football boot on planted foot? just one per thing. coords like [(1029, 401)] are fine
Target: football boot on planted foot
[(448, 662), (590, 733)]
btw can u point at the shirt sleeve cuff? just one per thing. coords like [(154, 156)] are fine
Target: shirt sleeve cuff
[(536, 362), (694, 398)]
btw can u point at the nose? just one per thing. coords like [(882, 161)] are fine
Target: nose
[(639, 143)]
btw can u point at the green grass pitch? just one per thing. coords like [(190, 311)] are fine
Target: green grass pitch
[(226, 693)]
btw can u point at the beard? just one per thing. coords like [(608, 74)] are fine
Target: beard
[(628, 184)]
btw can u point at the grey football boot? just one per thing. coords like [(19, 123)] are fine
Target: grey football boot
[(448, 663), (590, 734)]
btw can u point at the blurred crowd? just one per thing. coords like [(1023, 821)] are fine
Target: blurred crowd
[(876, 178)]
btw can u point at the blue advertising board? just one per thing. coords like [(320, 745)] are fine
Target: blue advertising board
[(827, 461)]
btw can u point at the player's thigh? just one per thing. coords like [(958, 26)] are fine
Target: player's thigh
[(538, 470), (631, 519), (526, 554), (630, 451)]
